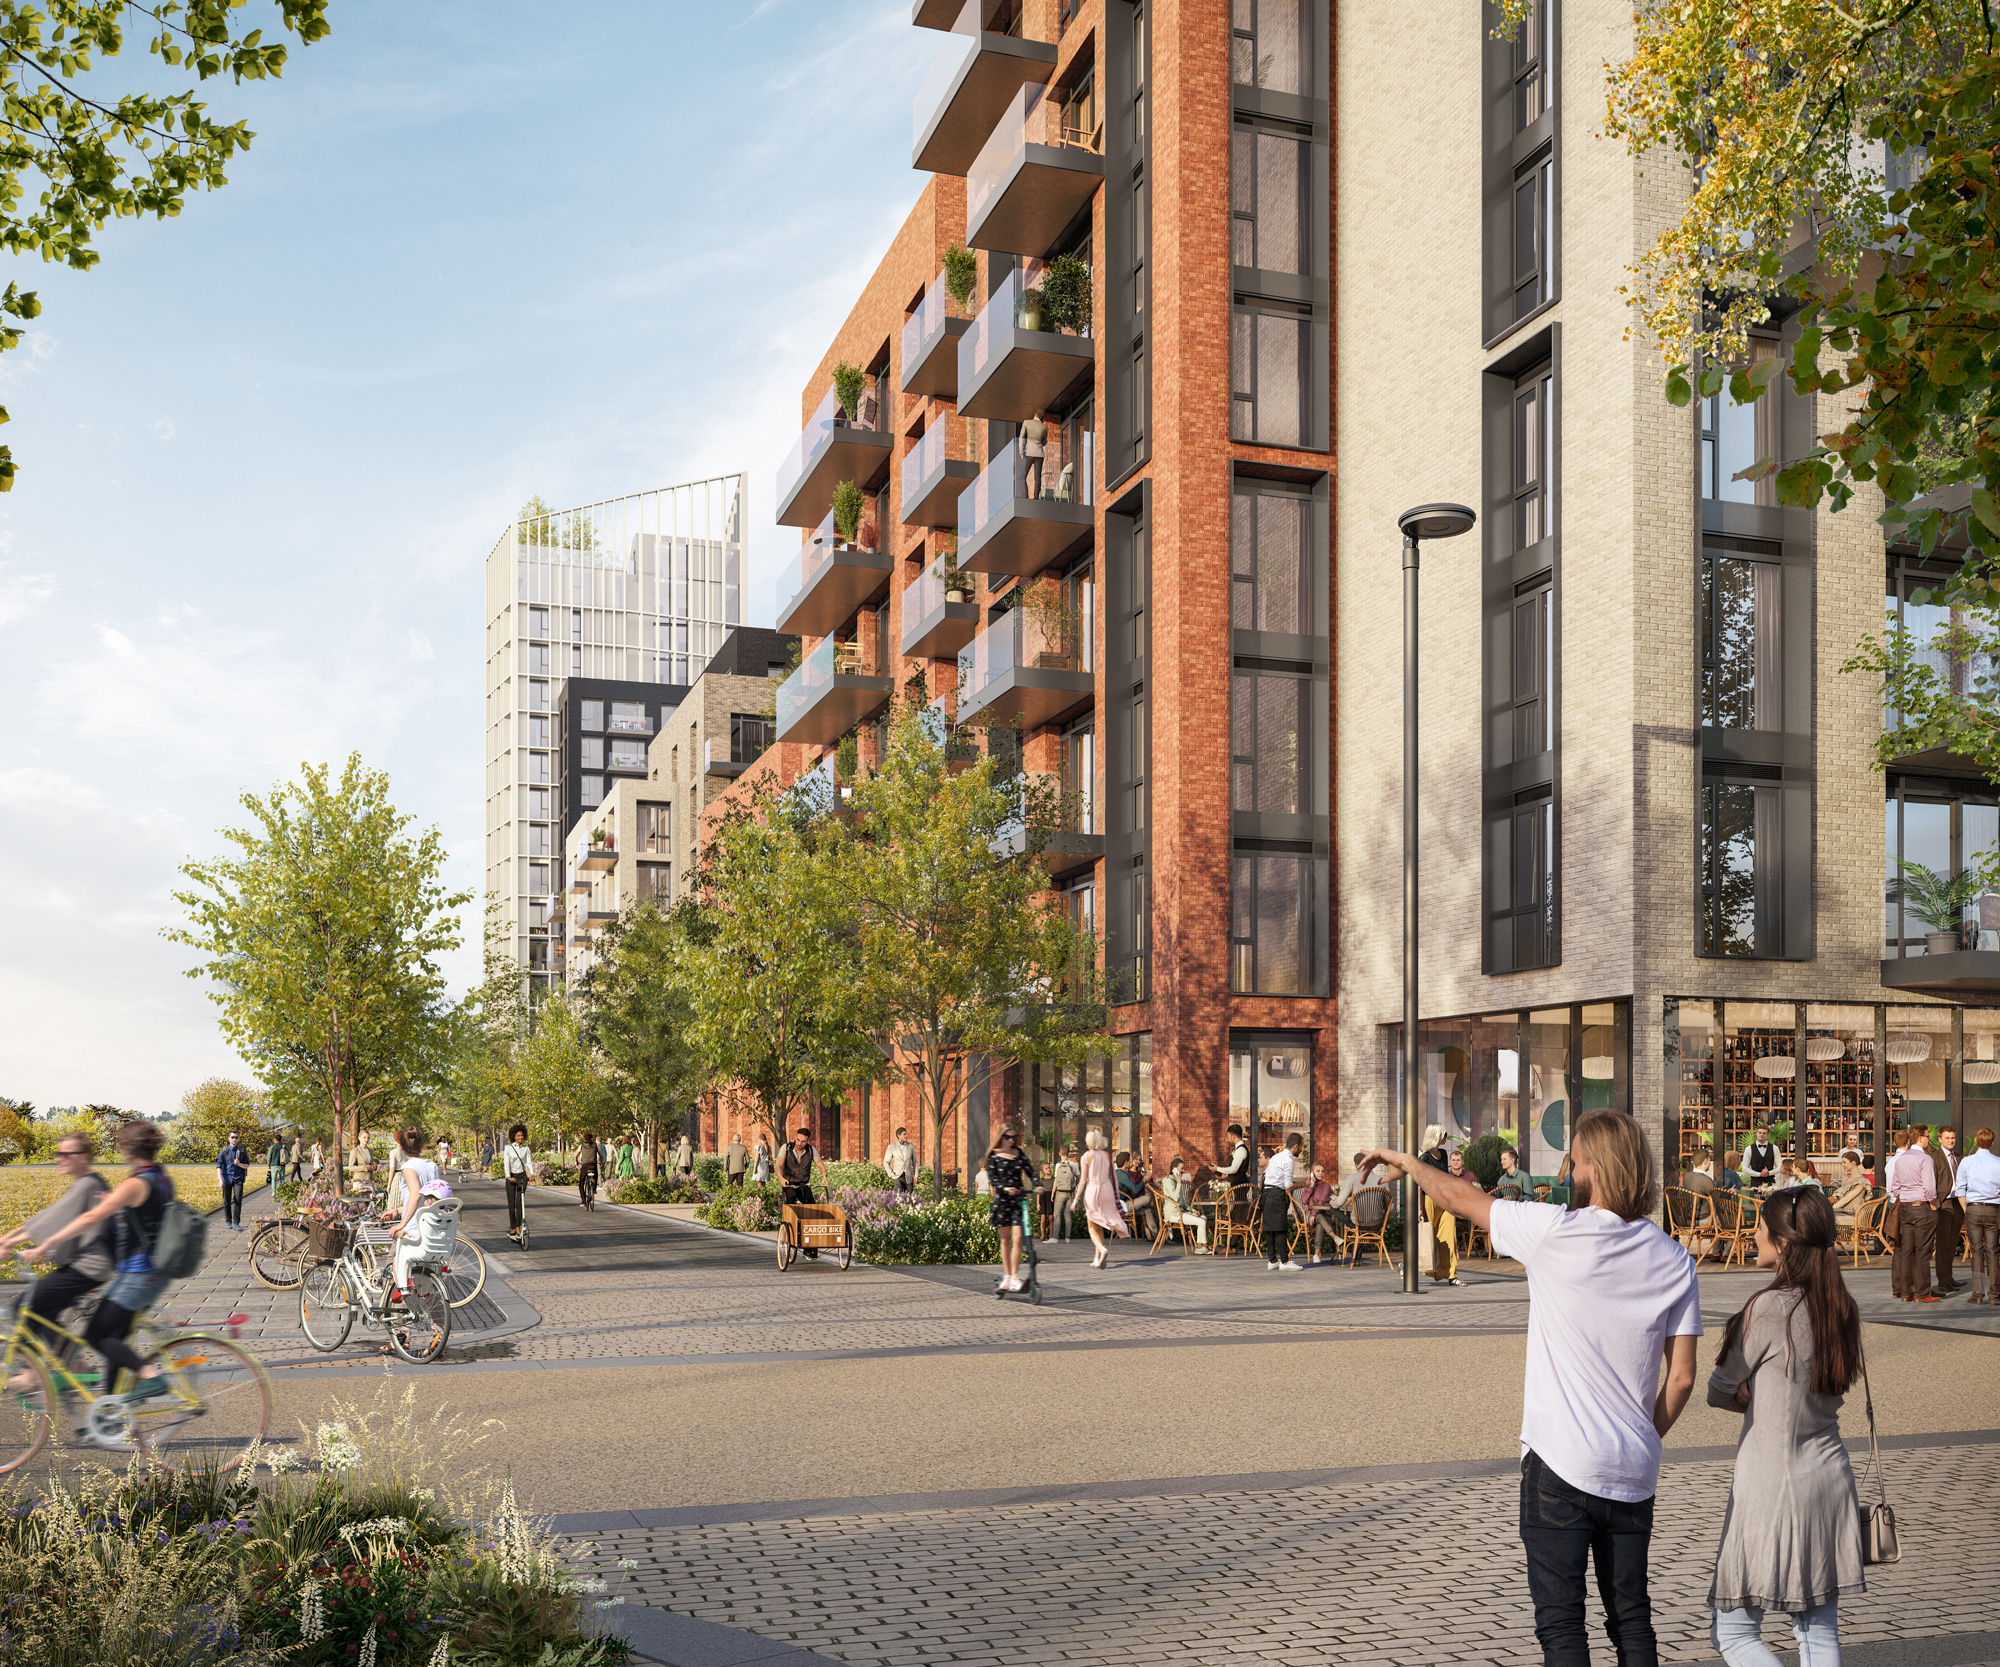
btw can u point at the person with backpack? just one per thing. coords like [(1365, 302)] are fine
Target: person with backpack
[(156, 1239)]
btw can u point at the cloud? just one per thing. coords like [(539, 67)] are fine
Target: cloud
[(22, 593), (164, 428), (417, 646)]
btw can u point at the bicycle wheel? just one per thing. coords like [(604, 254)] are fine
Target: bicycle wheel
[(26, 1413), (463, 1273), (420, 1325), (277, 1254), (326, 1306), (844, 1258), (785, 1251), (217, 1408)]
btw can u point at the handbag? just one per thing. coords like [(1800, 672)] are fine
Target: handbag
[(1878, 1521)]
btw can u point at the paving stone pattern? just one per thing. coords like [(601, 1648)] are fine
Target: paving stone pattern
[(1295, 1576)]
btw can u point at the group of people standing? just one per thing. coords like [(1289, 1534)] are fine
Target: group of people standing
[(1937, 1198)]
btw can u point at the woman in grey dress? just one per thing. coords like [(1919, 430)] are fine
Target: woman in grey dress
[(1791, 1540)]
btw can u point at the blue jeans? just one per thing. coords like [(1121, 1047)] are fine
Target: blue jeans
[(1736, 1636), (1563, 1529)]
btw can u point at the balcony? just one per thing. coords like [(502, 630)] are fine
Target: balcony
[(978, 73), (629, 723), (831, 450), (629, 764), (934, 626), (1009, 366), (933, 480), (1023, 512), (720, 763), (827, 580), (1021, 193), (828, 695), (1024, 670), (930, 345), (598, 859), (1963, 972), (595, 920)]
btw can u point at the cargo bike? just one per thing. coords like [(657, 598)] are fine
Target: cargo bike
[(803, 1227)]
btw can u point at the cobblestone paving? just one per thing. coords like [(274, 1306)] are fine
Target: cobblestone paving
[(1348, 1575)]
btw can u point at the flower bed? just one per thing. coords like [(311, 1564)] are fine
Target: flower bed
[(354, 1557), (889, 1226)]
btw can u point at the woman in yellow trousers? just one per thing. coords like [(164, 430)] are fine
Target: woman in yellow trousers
[(1444, 1228)]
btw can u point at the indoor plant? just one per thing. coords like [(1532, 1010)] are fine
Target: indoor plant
[(1939, 902), (957, 588)]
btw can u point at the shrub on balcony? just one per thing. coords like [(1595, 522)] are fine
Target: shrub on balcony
[(848, 381), (848, 502), (961, 273), (1066, 295)]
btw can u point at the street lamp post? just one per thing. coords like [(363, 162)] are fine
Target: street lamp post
[(1425, 521)]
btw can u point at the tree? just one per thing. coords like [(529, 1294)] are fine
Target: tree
[(320, 940), (769, 974), (484, 1091), (15, 1132), (641, 1015), (563, 1086), (964, 963), (1778, 104), (210, 1109), (80, 160)]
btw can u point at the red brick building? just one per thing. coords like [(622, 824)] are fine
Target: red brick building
[(1155, 473)]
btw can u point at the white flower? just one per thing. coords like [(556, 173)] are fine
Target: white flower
[(610, 1603), (312, 1614), (627, 1563), (441, 1656), (337, 1449), (424, 1494), (367, 1656)]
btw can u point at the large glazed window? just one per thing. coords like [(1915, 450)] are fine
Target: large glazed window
[(1269, 219), (1521, 886), (1742, 662), (1128, 237), (1268, 45), (1534, 451), (1520, 174), (1270, 742), (1733, 437), (1742, 861), (1268, 582), (1267, 376), (1128, 753), (1277, 924)]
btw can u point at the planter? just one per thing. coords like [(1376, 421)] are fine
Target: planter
[(958, 596), (1941, 943)]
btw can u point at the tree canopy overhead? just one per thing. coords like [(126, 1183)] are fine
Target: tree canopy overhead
[(80, 153)]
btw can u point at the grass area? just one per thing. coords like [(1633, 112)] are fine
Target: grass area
[(26, 1191)]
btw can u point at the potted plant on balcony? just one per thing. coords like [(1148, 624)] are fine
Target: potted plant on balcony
[(957, 588), (848, 502), (961, 273), (1051, 627), (1066, 295), (596, 837), (1028, 310), (848, 383), (1938, 901)]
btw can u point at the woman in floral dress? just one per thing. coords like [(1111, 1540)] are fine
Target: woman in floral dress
[(1010, 1174)]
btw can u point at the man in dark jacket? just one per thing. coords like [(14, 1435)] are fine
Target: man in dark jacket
[(233, 1165), (795, 1173)]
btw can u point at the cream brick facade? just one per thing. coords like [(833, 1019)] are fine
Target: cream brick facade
[(1409, 430)]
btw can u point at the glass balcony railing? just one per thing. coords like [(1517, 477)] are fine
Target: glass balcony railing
[(816, 555), (819, 433), (814, 677), (953, 51), (932, 588), (1015, 305), (1065, 474), (1022, 639), (923, 460), (923, 325)]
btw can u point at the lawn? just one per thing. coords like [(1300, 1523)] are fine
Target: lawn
[(24, 1191)]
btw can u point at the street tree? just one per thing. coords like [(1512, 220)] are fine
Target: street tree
[(563, 1084), (483, 1093), (640, 1013), (1792, 115), (75, 153), (320, 939), (963, 962), (213, 1107)]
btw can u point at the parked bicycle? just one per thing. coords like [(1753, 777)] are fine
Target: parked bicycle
[(216, 1408), (279, 1254), (348, 1277)]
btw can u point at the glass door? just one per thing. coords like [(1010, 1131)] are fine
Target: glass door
[(1270, 1092)]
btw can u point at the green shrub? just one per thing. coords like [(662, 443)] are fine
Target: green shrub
[(848, 503), (954, 1229), (857, 1175), (848, 381), (721, 1209), (708, 1172), (1482, 1158), (636, 1189), (288, 1194), (1066, 294), (961, 274)]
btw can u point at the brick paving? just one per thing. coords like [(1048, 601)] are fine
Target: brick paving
[(1353, 1574)]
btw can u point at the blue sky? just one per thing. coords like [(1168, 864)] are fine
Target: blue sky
[(265, 447)]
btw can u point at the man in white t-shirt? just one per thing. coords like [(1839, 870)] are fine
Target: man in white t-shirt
[(1611, 1300)]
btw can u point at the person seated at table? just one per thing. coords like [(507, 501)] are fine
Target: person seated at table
[(1559, 1187), (1317, 1206), (1701, 1178), (1852, 1191), (1514, 1182), (1177, 1194), (1133, 1195), (1731, 1179), (1798, 1172)]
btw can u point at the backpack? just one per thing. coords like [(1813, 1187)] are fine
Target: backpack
[(177, 1248)]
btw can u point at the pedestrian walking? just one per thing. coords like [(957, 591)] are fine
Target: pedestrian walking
[(1950, 1213), (1913, 1185), (318, 1159), (1611, 1299), (517, 1165), (274, 1161), (735, 1160), (684, 1155), (1978, 1190), (295, 1155), (626, 1167), (232, 1164), (1009, 1173), (1064, 1178), (900, 1160), (486, 1156), (1099, 1188), (760, 1165), (1791, 1536), (1279, 1175), (589, 1155), (795, 1172)]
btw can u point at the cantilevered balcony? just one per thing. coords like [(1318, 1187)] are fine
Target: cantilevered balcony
[(934, 626), (935, 14), (1023, 512), (1011, 364), (1021, 191), (933, 480), (1023, 670), (930, 345), (978, 71), (598, 859), (828, 695), (832, 449), (821, 586)]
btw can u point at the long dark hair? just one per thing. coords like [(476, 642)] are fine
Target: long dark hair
[(1801, 1221)]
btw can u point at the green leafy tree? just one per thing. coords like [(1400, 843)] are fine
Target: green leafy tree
[(563, 1084), (320, 939), (210, 1109), (641, 1014), (82, 154), (963, 962), (483, 1096)]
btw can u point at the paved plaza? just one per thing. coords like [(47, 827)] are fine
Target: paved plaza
[(1175, 1460)]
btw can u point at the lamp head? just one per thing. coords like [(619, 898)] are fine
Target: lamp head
[(1436, 521)]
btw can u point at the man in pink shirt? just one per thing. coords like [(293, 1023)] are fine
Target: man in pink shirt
[(1913, 1185)]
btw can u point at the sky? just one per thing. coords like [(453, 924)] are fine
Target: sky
[(265, 446)]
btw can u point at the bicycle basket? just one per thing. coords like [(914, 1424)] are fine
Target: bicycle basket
[(327, 1240)]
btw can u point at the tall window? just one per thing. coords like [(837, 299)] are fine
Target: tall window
[(748, 737), (1533, 726), (656, 829), (1742, 642), (1269, 46), (656, 879), (1268, 580), (1270, 744), (1079, 776), (1269, 174), (1742, 851), (1128, 222), (1521, 885), (1268, 374), (593, 715), (1275, 913), (1534, 451), (590, 752), (1521, 83), (1126, 814), (1733, 437), (538, 622)]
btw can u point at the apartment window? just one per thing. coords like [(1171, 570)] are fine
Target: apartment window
[(1128, 224), (1269, 173), (538, 916), (593, 715), (1270, 743), (592, 750), (1519, 168), (1534, 453), (1521, 869), (576, 625), (628, 755), (1733, 437), (538, 622), (538, 803), (1135, 794), (748, 737), (655, 879), (538, 879), (656, 829), (630, 715), (591, 790), (576, 662), (1128, 742), (1268, 374), (538, 695), (535, 839), (1742, 642), (1079, 114), (1277, 916), (1079, 776), (537, 766), (1269, 45), (1269, 576), (1949, 827), (1532, 693), (538, 732), (1742, 862), (1080, 904), (538, 659)]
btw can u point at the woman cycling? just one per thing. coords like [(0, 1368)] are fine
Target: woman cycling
[(134, 1208)]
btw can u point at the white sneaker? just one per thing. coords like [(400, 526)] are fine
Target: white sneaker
[(1270, 1267), (1315, 1261), (1289, 1267)]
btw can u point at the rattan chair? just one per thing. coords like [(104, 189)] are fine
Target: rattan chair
[(1690, 1219), (1236, 1224), (1743, 1242), (1866, 1231), (1169, 1227), (1368, 1219), (1725, 1206)]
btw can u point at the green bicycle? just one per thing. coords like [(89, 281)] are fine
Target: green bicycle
[(216, 1409)]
